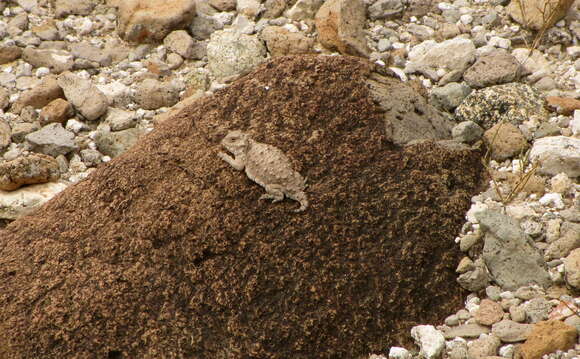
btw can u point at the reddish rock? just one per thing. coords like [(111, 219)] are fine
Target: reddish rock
[(562, 105), (489, 312), (9, 54), (151, 20), (40, 95), (505, 140), (58, 110), (547, 337)]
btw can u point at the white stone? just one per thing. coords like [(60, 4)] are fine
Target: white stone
[(507, 351), (430, 340), (552, 200), (500, 42), (466, 19), (557, 154), (42, 71), (399, 353), (575, 123), (24, 200), (76, 126)]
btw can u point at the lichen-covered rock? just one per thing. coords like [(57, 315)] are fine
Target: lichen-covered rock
[(31, 169), (513, 103), (230, 53), (166, 252)]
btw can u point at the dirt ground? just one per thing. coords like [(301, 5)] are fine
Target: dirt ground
[(166, 252)]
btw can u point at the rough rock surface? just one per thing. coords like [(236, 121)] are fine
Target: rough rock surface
[(408, 116), (547, 337), (165, 252), (538, 14), (83, 95), (39, 96), (513, 103), (508, 253), (151, 20), (233, 54), (32, 169), (340, 25), (557, 154)]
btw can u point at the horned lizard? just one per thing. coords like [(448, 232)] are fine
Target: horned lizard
[(266, 165)]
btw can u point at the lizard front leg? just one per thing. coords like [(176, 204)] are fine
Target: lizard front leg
[(237, 163)]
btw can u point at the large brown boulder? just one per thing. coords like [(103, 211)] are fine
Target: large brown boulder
[(166, 251)]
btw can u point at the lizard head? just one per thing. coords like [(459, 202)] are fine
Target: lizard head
[(236, 142)]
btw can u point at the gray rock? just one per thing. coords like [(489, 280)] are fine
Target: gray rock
[(83, 95), (115, 143), (557, 154), (474, 280), (450, 55), (513, 103), (85, 50), (91, 158), (56, 60), (527, 293), (64, 8), (537, 310), (203, 26), (273, 8), (509, 254), (546, 129), (510, 332), (572, 268), (466, 331), (564, 245), (386, 9), (383, 45), (452, 320), (493, 292), (52, 140), (234, 54), (450, 96), (5, 134), (408, 116), (21, 129), (469, 240), (119, 119), (152, 94), (467, 132), (496, 68)]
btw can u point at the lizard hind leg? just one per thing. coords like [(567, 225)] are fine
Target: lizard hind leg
[(273, 192)]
